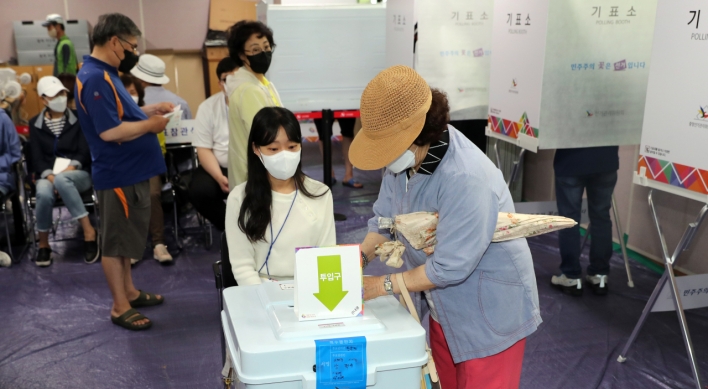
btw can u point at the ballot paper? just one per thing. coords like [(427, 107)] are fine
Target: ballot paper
[(60, 164), (175, 116)]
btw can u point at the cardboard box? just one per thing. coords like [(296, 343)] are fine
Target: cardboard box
[(225, 13)]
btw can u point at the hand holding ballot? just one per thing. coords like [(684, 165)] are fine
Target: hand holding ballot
[(174, 117)]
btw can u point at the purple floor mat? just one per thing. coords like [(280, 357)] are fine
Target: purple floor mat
[(56, 331)]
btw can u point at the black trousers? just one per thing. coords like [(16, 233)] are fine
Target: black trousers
[(208, 198)]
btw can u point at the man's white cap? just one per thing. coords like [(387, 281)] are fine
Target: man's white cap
[(53, 18), (150, 69), (49, 86)]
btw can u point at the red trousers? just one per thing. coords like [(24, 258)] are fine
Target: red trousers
[(499, 371)]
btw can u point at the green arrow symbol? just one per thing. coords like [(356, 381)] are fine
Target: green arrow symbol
[(331, 293)]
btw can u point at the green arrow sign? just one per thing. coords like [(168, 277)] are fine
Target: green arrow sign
[(329, 274)]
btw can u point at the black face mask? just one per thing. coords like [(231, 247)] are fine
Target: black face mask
[(260, 62), (128, 62)]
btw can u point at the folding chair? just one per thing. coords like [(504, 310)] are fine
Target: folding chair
[(89, 199), (176, 163), (3, 209)]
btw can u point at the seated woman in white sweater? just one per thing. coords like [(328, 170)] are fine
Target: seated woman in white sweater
[(278, 208)]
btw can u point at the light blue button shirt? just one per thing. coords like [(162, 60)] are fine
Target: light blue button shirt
[(158, 94), (485, 296)]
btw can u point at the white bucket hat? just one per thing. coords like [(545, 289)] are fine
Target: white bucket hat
[(49, 86), (150, 69)]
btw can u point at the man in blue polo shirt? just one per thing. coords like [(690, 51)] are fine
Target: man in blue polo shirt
[(125, 154)]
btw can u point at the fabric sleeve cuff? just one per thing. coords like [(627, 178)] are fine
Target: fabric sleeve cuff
[(47, 173), (430, 273), (75, 164)]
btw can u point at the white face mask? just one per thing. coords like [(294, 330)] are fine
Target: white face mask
[(57, 104), (282, 165), (405, 161), (52, 33), (135, 98)]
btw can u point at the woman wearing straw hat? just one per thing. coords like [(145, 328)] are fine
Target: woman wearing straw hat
[(482, 296)]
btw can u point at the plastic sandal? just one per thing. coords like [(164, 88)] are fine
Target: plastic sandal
[(144, 301), (127, 319), (352, 184)]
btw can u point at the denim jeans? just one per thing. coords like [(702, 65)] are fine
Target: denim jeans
[(569, 195), (69, 185)]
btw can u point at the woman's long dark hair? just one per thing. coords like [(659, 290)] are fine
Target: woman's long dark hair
[(255, 212)]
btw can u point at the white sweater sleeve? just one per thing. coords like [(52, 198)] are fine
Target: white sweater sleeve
[(241, 251), (329, 235)]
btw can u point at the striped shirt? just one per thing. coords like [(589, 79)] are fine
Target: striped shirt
[(56, 126)]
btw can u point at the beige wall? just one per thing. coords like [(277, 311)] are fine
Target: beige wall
[(186, 75), (674, 212)]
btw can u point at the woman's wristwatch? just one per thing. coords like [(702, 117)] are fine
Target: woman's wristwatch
[(388, 285), (365, 260)]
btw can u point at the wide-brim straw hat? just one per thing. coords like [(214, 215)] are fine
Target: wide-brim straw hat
[(393, 109)]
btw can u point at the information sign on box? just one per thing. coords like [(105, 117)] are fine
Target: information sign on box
[(675, 129), (570, 73), (181, 133), (328, 283)]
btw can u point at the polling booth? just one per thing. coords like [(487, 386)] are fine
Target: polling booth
[(582, 79), (672, 156), (448, 42), (583, 73), (317, 332)]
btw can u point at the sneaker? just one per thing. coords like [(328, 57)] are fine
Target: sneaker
[(573, 286), (44, 257), (598, 283), (161, 254), (5, 260), (91, 251), (133, 261)]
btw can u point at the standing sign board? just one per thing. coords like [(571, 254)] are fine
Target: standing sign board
[(328, 283), (569, 73), (326, 54), (454, 50), (180, 131), (672, 156)]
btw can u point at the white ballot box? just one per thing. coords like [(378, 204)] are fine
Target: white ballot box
[(270, 348)]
